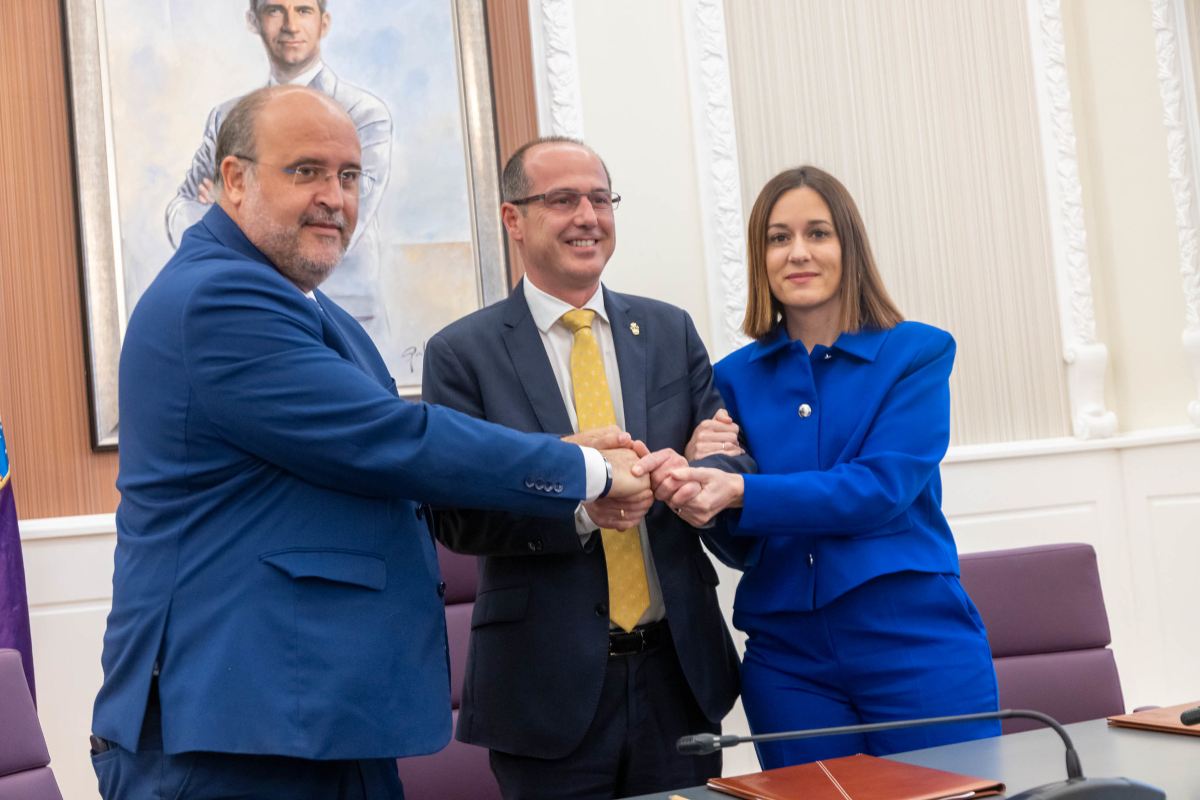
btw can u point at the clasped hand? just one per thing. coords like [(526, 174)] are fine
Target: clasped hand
[(640, 477)]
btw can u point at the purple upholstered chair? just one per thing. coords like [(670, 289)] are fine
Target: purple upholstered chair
[(1048, 630), (24, 761), (461, 771)]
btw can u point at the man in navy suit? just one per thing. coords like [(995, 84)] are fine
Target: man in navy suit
[(277, 627), (570, 702)]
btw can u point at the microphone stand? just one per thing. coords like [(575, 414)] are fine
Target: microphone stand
[(1075, 787)]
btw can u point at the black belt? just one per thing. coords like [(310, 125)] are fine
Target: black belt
[(638, 640)]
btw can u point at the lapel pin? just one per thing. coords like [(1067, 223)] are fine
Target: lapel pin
[(634, 329)]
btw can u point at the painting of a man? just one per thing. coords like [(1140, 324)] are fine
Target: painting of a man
[(291, 32)]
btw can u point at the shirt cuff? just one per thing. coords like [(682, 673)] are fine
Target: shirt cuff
[(584, 525), (597, 473)]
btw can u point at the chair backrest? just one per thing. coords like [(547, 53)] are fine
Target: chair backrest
[(1048, 630), (24, 760), (461, 771)]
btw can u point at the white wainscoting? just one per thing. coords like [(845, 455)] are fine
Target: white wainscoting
[(1135, 498)]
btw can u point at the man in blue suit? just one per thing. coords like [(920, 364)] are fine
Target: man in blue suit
[(277, 627), (574, 699)]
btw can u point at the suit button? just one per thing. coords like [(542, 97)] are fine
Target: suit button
[(540, 485), (602, 610), (804, 410), (441, 589), (528, 483), (558, 488), (535, 545)]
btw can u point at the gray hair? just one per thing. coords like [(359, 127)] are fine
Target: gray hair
[(237, 137), (514, 182)]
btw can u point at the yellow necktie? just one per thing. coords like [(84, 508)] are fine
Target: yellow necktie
[(628, 591)]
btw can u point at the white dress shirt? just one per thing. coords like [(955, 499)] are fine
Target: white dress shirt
[(558, 340)]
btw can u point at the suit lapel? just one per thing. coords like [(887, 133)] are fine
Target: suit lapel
[(529, 361), (332, 334), (631, 361)]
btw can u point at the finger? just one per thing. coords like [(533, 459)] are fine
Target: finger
[(684, 495), (651, 462), (722, 416), (639, 448), (686, 474)]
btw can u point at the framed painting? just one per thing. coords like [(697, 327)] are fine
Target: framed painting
[(150, 81)]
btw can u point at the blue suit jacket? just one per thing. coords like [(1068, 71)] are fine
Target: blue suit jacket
[(271, 555), (539, 639), (852, 490)]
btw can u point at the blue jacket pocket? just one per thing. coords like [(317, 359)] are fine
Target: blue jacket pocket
[(356, 568)]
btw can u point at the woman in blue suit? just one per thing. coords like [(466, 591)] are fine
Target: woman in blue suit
[(850, 597)]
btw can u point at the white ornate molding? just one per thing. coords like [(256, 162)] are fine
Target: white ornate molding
[(1085, 356), (555, 67), (1177, 84), (718, 175)]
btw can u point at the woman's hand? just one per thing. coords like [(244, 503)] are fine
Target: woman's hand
[(716, 436), (705, 493)]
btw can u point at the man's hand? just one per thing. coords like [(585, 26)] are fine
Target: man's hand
[(626, 483), (620, 513), (205, 192), (716, 436), (718, 491), (610, 437)]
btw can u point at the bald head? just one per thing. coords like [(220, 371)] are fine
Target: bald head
[(272, 136)]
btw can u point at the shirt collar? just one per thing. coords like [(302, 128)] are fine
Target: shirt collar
[(303, 79), (546, 309), (863, 345)]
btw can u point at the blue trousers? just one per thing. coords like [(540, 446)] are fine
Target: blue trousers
[(151, 773), (901, 646)]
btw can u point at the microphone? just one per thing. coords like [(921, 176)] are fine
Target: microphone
[(1075, 787), (1191, 716)]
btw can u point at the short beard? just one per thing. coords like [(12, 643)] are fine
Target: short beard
[(283, 248), (281, 243)]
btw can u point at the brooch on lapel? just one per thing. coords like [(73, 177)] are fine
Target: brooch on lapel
[(634, 329)]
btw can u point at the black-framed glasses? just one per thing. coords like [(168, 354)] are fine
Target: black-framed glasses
[(601, 200), (350, 179)]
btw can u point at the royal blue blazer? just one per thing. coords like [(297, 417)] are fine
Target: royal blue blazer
[(272, 561), (848, 440)]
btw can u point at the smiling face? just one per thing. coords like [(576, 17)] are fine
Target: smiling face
[(303, 229), (564, 251), (291, 31), (804, 261)]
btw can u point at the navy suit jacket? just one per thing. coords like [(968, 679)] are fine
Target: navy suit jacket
[(272, 561), (539, 639)]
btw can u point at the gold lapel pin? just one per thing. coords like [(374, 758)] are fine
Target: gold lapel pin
[(634, 329)]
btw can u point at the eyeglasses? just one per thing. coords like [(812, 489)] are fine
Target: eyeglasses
[(305, 175), (602, 201)]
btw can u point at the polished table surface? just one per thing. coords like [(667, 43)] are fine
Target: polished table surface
[(1024, 760)]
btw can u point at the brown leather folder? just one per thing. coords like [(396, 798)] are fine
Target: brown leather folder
[(859, 777), (1164, 719)]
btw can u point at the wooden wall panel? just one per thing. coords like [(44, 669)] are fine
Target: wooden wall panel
[(512, 85), (43, 391)]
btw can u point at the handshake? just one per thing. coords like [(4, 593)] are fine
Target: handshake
[(640, 477)]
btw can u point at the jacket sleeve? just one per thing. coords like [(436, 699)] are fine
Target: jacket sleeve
[(706, 399), (448, 381), (898, 457), (261, 373)]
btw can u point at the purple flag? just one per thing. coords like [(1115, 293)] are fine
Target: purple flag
[(14, 603)]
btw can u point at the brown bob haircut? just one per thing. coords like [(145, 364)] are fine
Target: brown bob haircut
[(865, 301)]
